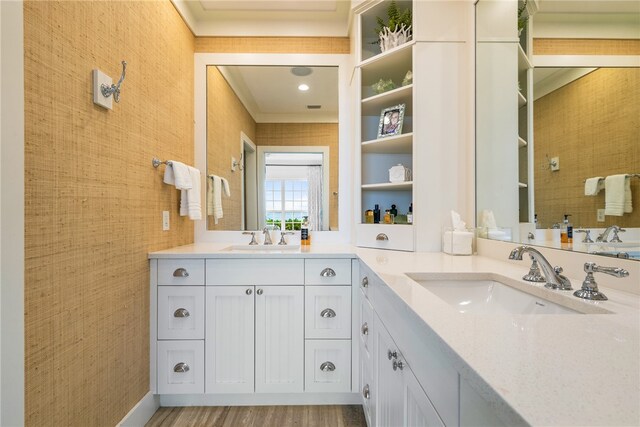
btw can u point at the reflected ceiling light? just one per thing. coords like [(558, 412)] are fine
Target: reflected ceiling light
[(303, 87), (301, 71)]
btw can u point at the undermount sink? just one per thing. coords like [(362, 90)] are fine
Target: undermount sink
[(490, 297), (261, 248)]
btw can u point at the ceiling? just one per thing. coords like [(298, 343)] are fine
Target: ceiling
[(271, 94)]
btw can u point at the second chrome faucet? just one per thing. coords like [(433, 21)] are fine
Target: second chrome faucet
[(552, 275)]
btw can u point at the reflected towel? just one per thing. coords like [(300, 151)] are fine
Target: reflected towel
[(617, 195), (190, 198), (592, 186), (214, 197)]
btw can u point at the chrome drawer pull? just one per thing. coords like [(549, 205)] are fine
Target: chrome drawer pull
[(365, 282), (181, 312), (181, 368), (180, 272), (398, 365), (365, 392), (365, 329), (327, 313), (248, 291), (382, 236), (328, 272), (392, 354), (259, 292), (327, 367)]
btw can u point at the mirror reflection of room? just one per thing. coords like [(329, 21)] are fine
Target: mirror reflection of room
[(272, 147)]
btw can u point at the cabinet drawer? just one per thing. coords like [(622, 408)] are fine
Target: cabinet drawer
[(327, 312), (398, 237), (327, 272), (367, 391), (181, 272), (365, 328), (181, 312), (180, 367), (327, 366), (247, 272)]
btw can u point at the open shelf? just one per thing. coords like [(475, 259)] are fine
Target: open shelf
[(387, 61), (373, 105), (398, 144), (521, 142), (522, 101), (401, 186), (522, 185), (523, 61)]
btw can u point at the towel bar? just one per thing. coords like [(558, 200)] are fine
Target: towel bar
[(157, 162), (630, 175)]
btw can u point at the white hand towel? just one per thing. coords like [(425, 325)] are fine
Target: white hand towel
[(615, 195), (225, 186), (628, 205), (178, 174), (592, 186), (214, 199), (190, 199)]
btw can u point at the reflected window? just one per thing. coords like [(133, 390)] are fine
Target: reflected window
[(286, 201)]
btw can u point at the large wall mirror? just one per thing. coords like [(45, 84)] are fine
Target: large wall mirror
[(575, 78), (271, 129)]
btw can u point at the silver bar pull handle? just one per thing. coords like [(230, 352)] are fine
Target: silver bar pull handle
[(328, 272), (398, 365), (180, 272), (327, 367), (327, 313), (181, 312), (181, 368), (382, 237)]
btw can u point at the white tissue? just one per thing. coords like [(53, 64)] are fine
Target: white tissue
[(487, 219), (457, 223)]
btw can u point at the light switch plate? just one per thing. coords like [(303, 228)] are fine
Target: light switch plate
[(600, 214), (100, 78), (165, 220), (555, 164)]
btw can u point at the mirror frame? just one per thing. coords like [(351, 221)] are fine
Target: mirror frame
[(345, 151)]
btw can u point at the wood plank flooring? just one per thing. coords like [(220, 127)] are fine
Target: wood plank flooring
[(260, 416)]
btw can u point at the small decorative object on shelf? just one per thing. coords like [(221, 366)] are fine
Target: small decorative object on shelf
[(391, 120), (522, 19), (397, 30), (408, 78), (383, 85), (399, 173)]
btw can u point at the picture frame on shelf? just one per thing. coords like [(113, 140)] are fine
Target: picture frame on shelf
[(391, 119)]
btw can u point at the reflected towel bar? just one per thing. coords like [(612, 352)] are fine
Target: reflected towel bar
[(157, 162), (630, 175)]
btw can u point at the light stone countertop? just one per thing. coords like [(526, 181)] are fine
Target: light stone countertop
[(559, 370)]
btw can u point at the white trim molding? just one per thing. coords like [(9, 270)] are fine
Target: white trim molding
[(142, 412)]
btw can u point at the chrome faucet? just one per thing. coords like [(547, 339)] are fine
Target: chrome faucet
[(267, 236), (552, 275), (605, 234), (590, 287)]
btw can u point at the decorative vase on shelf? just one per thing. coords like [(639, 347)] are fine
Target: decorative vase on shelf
[(389, 39)]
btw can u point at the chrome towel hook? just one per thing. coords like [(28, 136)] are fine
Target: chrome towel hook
[(114, 90)]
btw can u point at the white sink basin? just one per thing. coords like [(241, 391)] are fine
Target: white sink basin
[(490, 297), (263, 248)]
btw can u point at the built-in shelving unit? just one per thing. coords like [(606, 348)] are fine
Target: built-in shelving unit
[(407, 185), (525, 125), (400, 144)]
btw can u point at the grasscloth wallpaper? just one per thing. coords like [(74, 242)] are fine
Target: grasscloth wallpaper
[(93, 201), (593, 124), (333, 45), (586, 47)]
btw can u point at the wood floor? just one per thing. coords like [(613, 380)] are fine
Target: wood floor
[(260, 416)]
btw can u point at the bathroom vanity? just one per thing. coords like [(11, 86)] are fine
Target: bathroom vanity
[(348, 325)]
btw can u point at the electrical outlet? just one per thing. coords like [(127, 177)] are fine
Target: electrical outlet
[(555, 163), (600, 214), (165, 220)]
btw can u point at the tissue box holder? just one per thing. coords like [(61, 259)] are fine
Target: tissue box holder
[(458, 242)]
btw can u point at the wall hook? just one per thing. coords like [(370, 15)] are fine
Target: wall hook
[(114, 90)]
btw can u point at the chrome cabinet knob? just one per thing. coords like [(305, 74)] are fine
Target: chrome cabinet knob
[(392, 354), (382, 237), (181, 368), (259, 292), (398, 365), (327, 367), (327, 313), (248, 292), (180, 272), (181, 312), (365, 329), (328, 272), (365, 282), (365, 392)]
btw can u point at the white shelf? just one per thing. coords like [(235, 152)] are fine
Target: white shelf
[(523, 61), (387, 61), (398, 144), (522, 185), (374, 105), (522, 101), (398, 186), (521, 142)]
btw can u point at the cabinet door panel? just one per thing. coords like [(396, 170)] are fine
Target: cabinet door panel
[(181, 312), (279, 339), (328, 312), (180, 367), (230, 339), (389, 387), (418, 410)]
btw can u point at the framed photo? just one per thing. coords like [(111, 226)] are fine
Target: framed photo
[(391, 120)]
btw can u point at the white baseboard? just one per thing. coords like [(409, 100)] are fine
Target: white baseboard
[(142, 412), (258, 399)]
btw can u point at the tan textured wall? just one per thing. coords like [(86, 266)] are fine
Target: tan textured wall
[(585, 47), (593, 124), (226, 118), (307, 134), (93, 201), (272, 45)]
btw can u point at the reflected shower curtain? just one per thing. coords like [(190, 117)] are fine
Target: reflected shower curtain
[(314, 177)]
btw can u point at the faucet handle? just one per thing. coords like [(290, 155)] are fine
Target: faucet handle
[(589, 288), (534, 274), (253, 237), (587, 235), (616, 238), (282, 234)]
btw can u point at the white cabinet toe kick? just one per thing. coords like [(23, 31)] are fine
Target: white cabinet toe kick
[(254, 331)]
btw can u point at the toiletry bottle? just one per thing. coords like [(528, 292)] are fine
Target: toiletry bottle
[(569, 229), (368, 216), (376, 214), (305, 237), (564, 230), (387, 217), (410, 214), (535, 221), (393, 211)]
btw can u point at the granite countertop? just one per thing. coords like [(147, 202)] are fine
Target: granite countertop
[(560, 369)]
